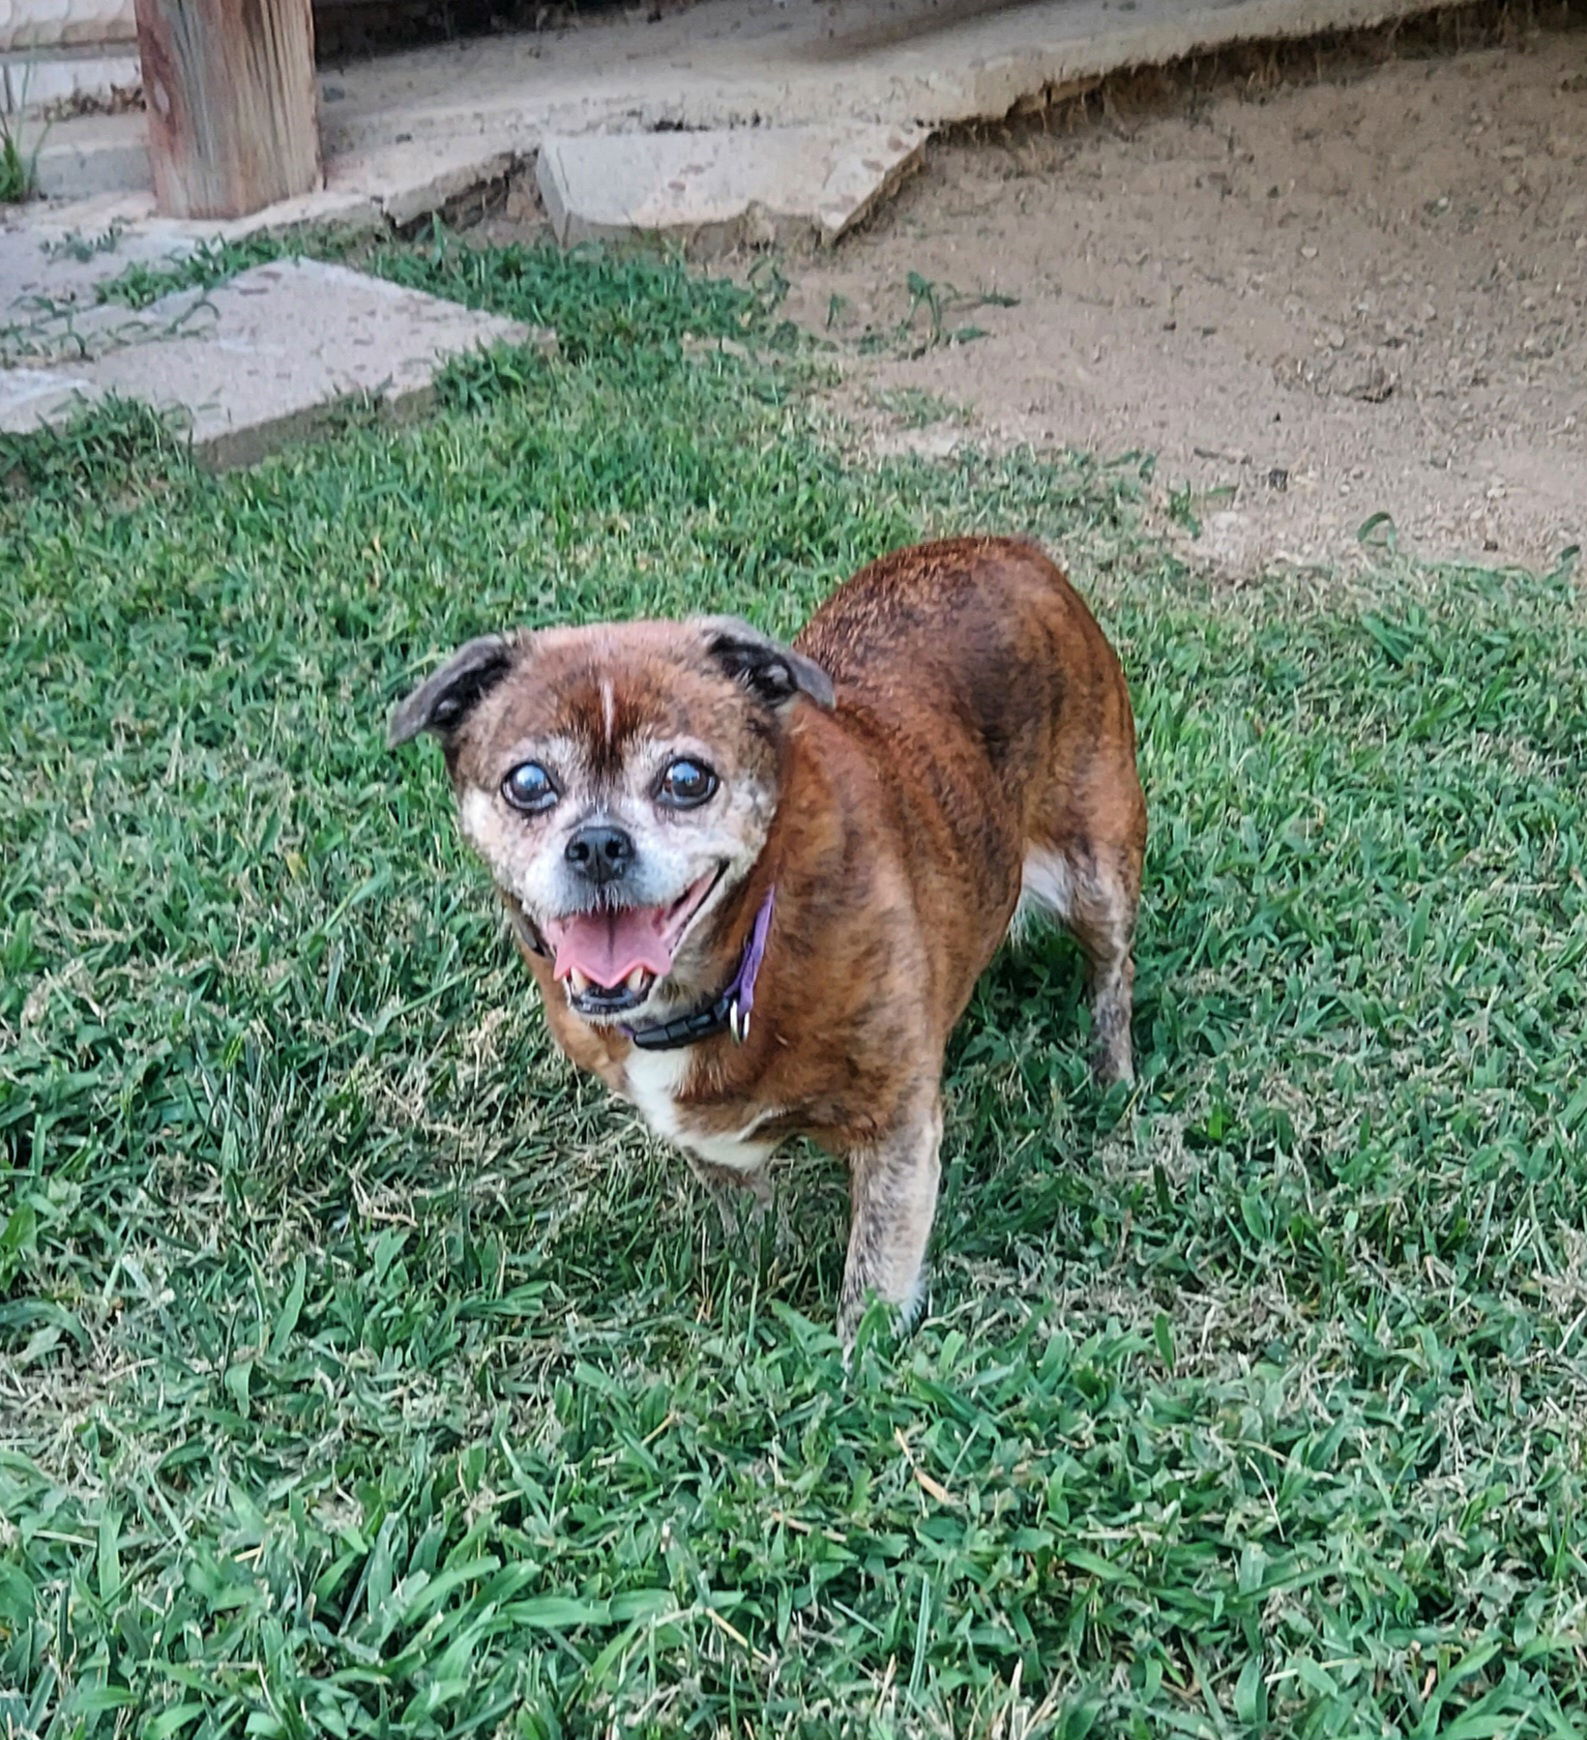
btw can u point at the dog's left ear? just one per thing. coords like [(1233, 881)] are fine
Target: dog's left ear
[(768, 669), (444, 700)]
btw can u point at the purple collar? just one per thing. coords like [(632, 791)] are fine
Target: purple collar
[(728, 1013)]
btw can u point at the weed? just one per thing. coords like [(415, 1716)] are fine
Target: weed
[(74, 245), (915, 408), (18, 164), (207, 265), (941, 300), (19, 161), (939, 303)]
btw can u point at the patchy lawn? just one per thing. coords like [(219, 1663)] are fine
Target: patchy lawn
[(364, 1372)]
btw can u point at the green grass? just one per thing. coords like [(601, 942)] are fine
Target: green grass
[(16, 168), (362, 1372), (20, 143)]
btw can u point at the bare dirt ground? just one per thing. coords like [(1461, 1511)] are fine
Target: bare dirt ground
[(1317, 303)]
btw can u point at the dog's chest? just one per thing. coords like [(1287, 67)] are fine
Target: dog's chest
[(655, 1079)]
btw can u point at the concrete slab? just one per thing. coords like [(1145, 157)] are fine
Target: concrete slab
[(405, 182), (743, 63), (70, 265), (711, 191), (133, 214), (270, 356), (721, 63), (49, 287)]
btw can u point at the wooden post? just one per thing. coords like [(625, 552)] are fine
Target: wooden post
[(233, 103)]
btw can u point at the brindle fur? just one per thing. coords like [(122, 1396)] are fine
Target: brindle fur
[(981, 746)]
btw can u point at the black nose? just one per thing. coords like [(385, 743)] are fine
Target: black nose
[(601, 853)]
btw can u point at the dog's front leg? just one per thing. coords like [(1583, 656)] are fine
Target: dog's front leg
[(893, 1193)]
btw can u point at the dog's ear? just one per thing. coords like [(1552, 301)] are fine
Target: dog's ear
[(443, 701), (769, 670)]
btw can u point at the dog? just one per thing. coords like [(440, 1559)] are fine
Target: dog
[(756, 883)]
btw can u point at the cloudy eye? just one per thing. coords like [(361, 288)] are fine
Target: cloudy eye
[(686, 784), (529, 788)]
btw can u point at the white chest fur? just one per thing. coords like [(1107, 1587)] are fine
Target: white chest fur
[(655, 1079)]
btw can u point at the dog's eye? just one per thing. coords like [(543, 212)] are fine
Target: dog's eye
[(529, 788), (686, 784)]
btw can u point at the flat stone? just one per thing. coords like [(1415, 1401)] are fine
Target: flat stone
[(56, 265), (268, 357), (142, 233), (713, 190), (50, 281)]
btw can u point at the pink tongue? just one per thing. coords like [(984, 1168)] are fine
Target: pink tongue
[(607, 946)]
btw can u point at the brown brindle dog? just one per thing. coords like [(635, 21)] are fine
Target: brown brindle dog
[(756, 884)]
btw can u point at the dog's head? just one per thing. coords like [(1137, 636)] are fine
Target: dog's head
[(618, 781)]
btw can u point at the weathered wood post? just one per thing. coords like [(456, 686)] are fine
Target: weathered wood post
[(233, 103)]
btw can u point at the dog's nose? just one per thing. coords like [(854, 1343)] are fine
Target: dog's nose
[(600, 852)]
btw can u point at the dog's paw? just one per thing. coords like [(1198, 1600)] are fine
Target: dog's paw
[(875, 1321)]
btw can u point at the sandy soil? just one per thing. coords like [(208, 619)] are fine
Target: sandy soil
[(1317, 304)]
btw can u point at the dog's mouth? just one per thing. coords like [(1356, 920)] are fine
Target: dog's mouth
[(611, 958)]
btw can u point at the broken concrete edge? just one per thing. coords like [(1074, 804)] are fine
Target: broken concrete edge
[(235, 449), (349, 205), (463, 181), (713, 190), (1002, 84), (230, 449), (915, 87), (400, 187), (755, 225), (393, 408), (839, 215), (238, 449)]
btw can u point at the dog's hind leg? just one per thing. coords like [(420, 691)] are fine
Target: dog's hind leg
[(1094, 893), (893, 1193)]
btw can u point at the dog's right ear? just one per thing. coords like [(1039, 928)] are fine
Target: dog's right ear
[(443, 701)]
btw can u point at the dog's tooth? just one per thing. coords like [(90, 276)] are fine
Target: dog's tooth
[(578, 981), (636, 980)]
